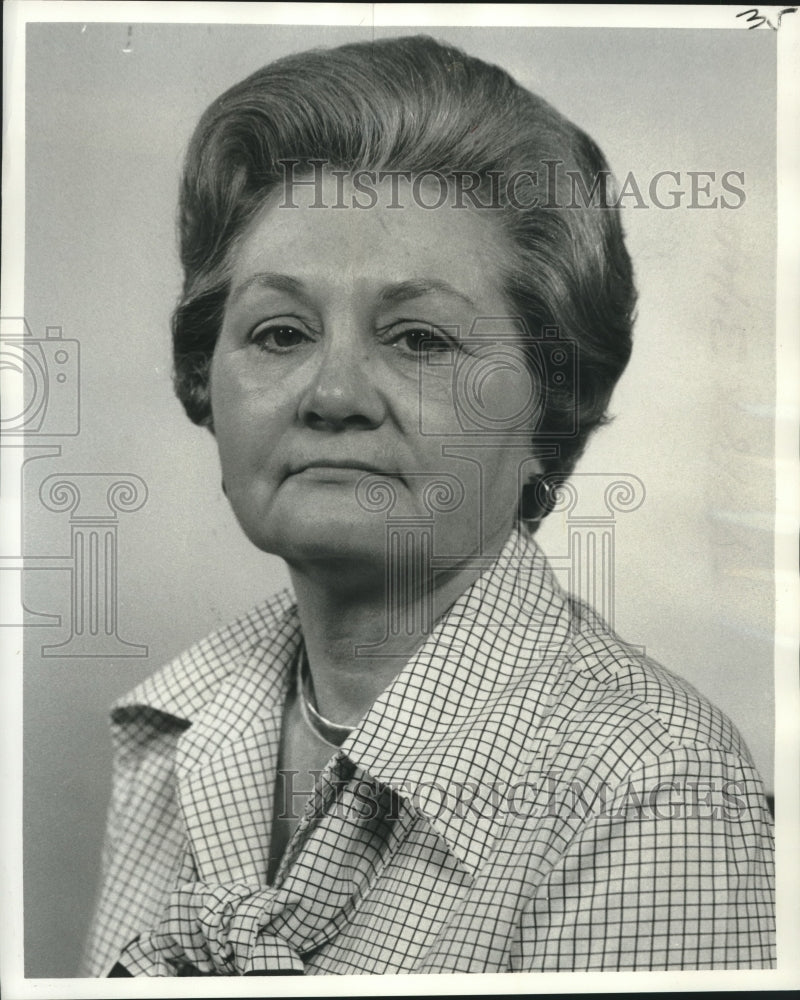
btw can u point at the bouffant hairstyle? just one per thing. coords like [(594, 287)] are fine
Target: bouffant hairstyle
[(412, 104)]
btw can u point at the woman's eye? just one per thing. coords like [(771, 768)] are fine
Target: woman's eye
[(278, 336), (424, 340)]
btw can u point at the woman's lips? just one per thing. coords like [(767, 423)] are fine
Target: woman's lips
[(337, 471), (332, 473)]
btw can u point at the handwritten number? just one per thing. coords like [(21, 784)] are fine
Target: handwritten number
[(753, 15), (755, 19)]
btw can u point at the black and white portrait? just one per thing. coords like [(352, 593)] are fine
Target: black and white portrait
[(393, 432)]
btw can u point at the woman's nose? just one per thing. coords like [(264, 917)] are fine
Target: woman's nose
[(342, 392)]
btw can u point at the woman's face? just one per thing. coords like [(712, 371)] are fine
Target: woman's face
[(349, 348)]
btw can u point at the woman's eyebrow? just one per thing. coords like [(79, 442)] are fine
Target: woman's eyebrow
[(401, 291), (273, 281), (415, 288)]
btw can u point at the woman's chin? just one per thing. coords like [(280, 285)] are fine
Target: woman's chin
[(325, 538)]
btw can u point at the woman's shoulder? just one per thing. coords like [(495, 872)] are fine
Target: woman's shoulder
[(182, 686), (614, 693)]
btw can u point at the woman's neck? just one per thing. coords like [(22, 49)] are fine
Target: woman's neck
[(345, 610)]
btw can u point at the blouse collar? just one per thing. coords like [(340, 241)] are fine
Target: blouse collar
[(449, 734)]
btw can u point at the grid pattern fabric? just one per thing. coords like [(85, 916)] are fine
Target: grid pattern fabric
[(529, 793)]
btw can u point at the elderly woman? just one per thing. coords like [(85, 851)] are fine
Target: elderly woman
[(406, 304)]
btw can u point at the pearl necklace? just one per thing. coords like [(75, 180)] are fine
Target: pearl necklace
[(331, 733)]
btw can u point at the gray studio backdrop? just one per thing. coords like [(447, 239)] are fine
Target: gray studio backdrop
[(109, 111)]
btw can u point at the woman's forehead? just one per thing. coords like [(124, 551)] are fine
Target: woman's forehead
[(332, 232)]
